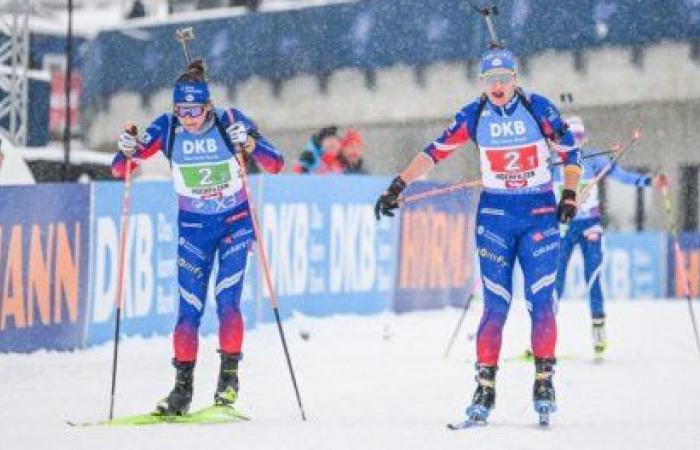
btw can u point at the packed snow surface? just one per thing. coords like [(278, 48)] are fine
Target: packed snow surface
[(379, 382)]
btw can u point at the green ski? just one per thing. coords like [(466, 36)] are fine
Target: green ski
[(205, 416)]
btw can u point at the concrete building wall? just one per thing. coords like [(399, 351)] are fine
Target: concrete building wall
[(614, 92)]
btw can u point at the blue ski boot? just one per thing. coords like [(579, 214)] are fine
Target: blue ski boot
[(543, 390), (484, 398)]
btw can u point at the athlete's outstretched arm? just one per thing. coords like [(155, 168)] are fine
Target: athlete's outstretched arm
[(440, 149), (629, 177), (419, 166), (454, 136), (263, 152), (150, 142)]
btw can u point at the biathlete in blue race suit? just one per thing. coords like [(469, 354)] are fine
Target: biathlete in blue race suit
[(214, 221), (517, 214), (586, 229)]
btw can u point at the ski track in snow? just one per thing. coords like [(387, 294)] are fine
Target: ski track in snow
[(365, 390)]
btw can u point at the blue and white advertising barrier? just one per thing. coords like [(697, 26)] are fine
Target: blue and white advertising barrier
[(633, 267), (327, 252), (150, 287), (328, 255), (44, 246)]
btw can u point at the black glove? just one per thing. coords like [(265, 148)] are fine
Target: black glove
[(389, 200), (566, 210)]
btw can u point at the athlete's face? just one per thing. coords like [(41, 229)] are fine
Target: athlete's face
[(499, 86), (192, 115)]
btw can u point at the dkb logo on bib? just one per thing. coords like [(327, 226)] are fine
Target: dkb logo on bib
[(515, 128), (199, 146)]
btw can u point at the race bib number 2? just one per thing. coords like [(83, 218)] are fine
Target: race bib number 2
[(513, 160), (209, 175), (206, 179)]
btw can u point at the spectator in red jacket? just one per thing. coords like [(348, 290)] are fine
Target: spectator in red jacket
[(321, 153)]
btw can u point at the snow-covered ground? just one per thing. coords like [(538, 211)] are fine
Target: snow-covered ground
[(379, 383)]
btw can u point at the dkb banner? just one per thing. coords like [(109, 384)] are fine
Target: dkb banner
[(327, 252), (436, 250), (44, 244), (633, 267)]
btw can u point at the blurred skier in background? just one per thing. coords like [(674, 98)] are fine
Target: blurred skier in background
[(214, 220), (517, 215), (586, 229)]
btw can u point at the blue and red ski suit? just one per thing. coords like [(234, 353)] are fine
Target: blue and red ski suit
[(214, 219), (516, 215), (586, 229)]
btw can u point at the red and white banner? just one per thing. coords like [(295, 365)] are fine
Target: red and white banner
[(57, 103)]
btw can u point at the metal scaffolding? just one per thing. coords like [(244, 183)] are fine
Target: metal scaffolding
[(14, 65)]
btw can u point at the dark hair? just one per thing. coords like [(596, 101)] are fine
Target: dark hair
[(323, 133), (194, 73)]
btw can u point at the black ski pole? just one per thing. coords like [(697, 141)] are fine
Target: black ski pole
[(459, 325), (268, 282), (266, 267)]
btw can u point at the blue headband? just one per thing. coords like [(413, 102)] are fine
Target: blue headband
[(191, 92)]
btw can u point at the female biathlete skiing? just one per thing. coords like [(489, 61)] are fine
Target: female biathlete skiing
[(586, 229), (214, 220), (517, 216)]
